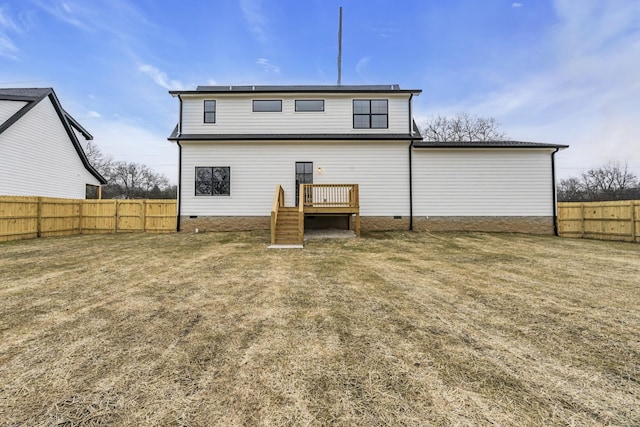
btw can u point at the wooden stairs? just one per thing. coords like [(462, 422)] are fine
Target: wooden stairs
[(288, 226), (287, 223)]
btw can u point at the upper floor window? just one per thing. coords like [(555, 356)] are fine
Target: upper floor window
[(309, 104), (213, 181), (260, 105), (370, 113), (209, 111)]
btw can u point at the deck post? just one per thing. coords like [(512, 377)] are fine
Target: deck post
[(301, 202)]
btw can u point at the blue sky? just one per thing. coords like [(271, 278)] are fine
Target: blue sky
[(557, 71)]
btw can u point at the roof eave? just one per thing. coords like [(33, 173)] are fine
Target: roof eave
[(78, 126), (290, 91), (434, 145), (292, 137)]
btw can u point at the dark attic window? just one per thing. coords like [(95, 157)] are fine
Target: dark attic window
[(309, 104), (267, 105)]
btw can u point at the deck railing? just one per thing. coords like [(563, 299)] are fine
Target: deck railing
[(278, 202), (329, 196)]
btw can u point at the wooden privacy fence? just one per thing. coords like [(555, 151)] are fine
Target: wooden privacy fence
[(619, 220), (31, 217)]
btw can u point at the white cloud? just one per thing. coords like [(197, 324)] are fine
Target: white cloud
[(361, 66), (93, 115), (6, 21), (267, 66), (160, 77), (72, 15), (7, 48), (587, 97), (255, 17), (516, 5)]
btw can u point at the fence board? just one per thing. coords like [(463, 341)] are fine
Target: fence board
[(18, 218), (31, 217), (616, 220)]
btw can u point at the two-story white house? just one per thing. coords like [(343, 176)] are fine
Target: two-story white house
[(245, 151), (41, 152)]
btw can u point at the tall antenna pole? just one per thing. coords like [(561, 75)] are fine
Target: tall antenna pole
[(340, 49)]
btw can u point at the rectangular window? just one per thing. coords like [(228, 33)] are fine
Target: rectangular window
[(370, 113), (213, 181), (209, 111), (267, 105), (309, 104)]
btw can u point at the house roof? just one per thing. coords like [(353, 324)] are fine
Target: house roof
[(32, 96), (487, 144), (393, 88)]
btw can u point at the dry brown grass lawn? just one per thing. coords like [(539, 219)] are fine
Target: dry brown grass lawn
[(389, 329)]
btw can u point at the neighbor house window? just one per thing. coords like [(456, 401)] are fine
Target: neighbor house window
[(213, 181), (309, 104), (370, 113), (209, 111), (267, 105)]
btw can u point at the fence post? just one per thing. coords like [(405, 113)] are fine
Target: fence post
[(115, 224), (39, 220), (81, 204), (144, 216), (582, 220), (633, 220)]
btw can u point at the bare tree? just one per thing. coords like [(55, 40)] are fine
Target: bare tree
[(100, 161), (570, 190), (462, 128), (612, 181), (127, 179)]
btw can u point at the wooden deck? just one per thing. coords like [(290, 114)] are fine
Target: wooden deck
[(287, 223)]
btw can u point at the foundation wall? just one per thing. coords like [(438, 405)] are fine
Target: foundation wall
[(382, 223), (509, 224), (225, 223), (531, 225)]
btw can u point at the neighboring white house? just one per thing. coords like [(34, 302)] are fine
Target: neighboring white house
[(237, 143), (40, 147)]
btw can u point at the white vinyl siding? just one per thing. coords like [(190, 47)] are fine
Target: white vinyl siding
[(235, 115), (380, 169), (37, 158), (477, 182), (9, 108)]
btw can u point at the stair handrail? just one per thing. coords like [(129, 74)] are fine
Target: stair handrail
[(278, 202)]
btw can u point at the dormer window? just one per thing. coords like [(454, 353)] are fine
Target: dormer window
[(209, 111), (370, 113), (267, 105)]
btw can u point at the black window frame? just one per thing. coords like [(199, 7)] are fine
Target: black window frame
[(304, 175), (206, 111), (369, 114), (253, 106), (217, 187), (308, 110)]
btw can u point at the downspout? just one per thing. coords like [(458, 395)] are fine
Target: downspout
[(179, 182), (410, 187), (410, 166), (179, 165), (553, 192)]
